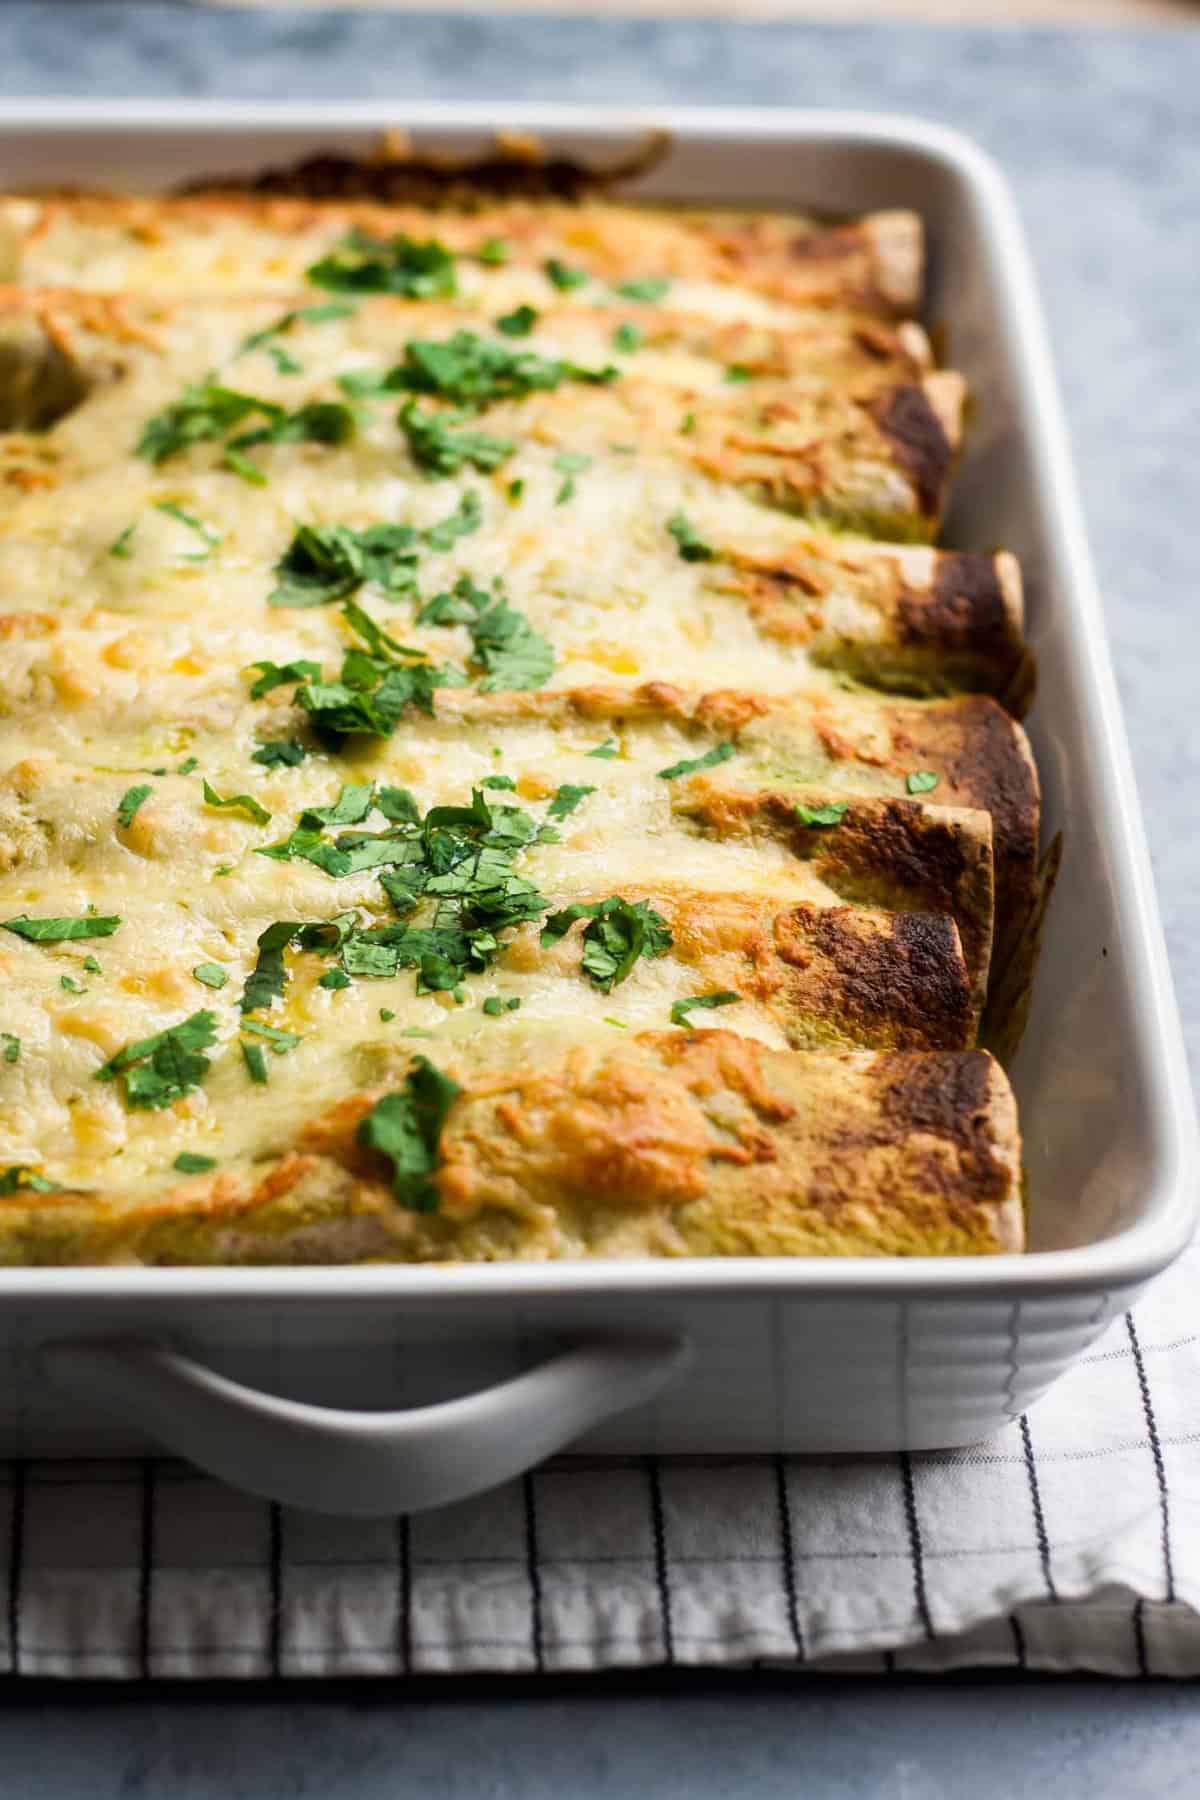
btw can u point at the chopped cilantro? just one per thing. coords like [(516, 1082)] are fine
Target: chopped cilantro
[(209, 410), (70, 986), (376, 685), (92, 966), (692, 546), (681, 1008), (161, 1069), (495, 1007), (275, 675), (280, 753), (398, 805), (187, 765), (501, 783), (466, 518), (57, 931), (129, 803), (627, 337), (718, 754), (280, 1041), (406, 1127), (563, 278), (122, 546), (329, 562), (211, 538), (363, 264), (436, 446), (618, 934), (189, 1163), (921, 781), (12, 1046), (512, 653), (736, 373), (687, 424), (567, 798), (492, 252), (211, 974), (255, 1061), (607, 750), (569, 463), (285, 363), (237, 803), (471, 371), (515, 490), (831, 814), (19, 1178), (386, 1014), (518, 323), (652, 288), (334, 979)]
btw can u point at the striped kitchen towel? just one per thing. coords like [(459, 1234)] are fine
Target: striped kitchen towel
[(1070, 1541)]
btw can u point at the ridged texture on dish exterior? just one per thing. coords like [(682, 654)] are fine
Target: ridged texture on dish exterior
[(698, 663)]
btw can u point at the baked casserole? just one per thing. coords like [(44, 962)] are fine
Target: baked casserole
[(492, 764)]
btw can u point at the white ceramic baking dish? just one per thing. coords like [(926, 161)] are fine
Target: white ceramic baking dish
[(411, 1386)]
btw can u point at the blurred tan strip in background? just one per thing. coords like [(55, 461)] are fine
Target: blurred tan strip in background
[(940, 12)]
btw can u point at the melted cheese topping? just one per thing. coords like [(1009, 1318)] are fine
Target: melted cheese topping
[(129, 632)]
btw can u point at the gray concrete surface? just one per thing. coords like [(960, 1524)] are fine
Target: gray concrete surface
[(1101, 136)]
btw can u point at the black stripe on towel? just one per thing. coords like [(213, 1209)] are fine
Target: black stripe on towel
[(16, 1562), (535, 1575), (146, 1568), (275, 1601), (404, 1646), (1160, 1467), (1039, 1517), (789, 1555), (915, 1546), (662, 1573)]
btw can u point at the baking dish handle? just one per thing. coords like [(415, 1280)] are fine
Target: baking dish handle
[(367, 1464)]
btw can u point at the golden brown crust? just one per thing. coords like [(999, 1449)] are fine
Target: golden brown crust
[(874, 262), (674, 1144)]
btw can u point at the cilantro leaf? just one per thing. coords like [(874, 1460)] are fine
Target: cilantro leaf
[(161, 1069), (435, 445), (189, 1163), (207, 410), (280, 674), (329, 562), (19, 1178), (465, 519), (692, 547), (363, 264), (122, 545), (512, 653), (831, 814), (618, 934), (211, 538), (268, 977), (681, 1008), (237, 803), (212, 975), (566, 799), (651, 288), (563, 278), (406, 1127), (129, 803), (627, 337), (57, 931), (518, 323), (921, 781), (309, 315), (280, 1041), (12, 1046), (718, 754), (471, 371), (255, 1061), (607, 750), (280, 753)]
